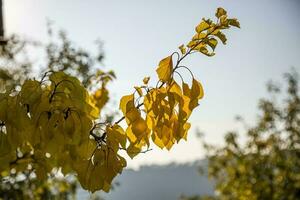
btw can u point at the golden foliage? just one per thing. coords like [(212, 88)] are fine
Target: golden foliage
[(55, 123)]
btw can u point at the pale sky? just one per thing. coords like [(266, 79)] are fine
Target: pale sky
[(138, 33)]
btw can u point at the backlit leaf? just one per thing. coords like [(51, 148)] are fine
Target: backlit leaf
[(202, 26), (165, 69), (146, 80), (220, 12), (182, 49)]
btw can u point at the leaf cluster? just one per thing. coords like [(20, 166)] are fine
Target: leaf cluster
[(55, 123)]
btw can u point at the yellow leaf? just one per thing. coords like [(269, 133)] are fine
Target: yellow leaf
[(196, 93), (86, 124), (180, 130), (199, 36), (174, 87), (170, 145), (119, 134), (146, 80), (85, 149), (186, 89), (94, 112), (139, 128), (130, 135), (98, 173), (150, 121), (133, 150), (197, 90), (89, 176), (182, 49), (184, 110), (186, 128), (115, 137), (127, 103), (196, 45), (220, 12), (205, 51), (212, 42), (139, 90), (165, 69), (202, 26), (157, 140), (234, 22), (166, 135), (224, 21), (221, 36), (132, 115), (100, 97), (31, 92)]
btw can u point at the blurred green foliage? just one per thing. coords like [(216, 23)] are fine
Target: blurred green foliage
[(26, 186), (266, 164)]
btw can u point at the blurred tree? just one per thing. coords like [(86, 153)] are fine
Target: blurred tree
[(25, 185), (267, 165)]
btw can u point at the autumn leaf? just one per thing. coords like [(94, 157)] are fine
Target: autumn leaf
[(202, 26), (57, 123), (165, 68), (146, 80)]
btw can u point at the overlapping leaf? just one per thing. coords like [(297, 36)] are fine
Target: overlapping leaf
[(55, 123)]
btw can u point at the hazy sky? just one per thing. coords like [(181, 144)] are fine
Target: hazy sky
[(139, 33)]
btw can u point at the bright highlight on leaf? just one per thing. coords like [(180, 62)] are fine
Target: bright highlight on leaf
[(56, 122)]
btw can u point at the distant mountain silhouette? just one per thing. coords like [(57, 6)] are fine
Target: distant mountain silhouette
[(157, 182)]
